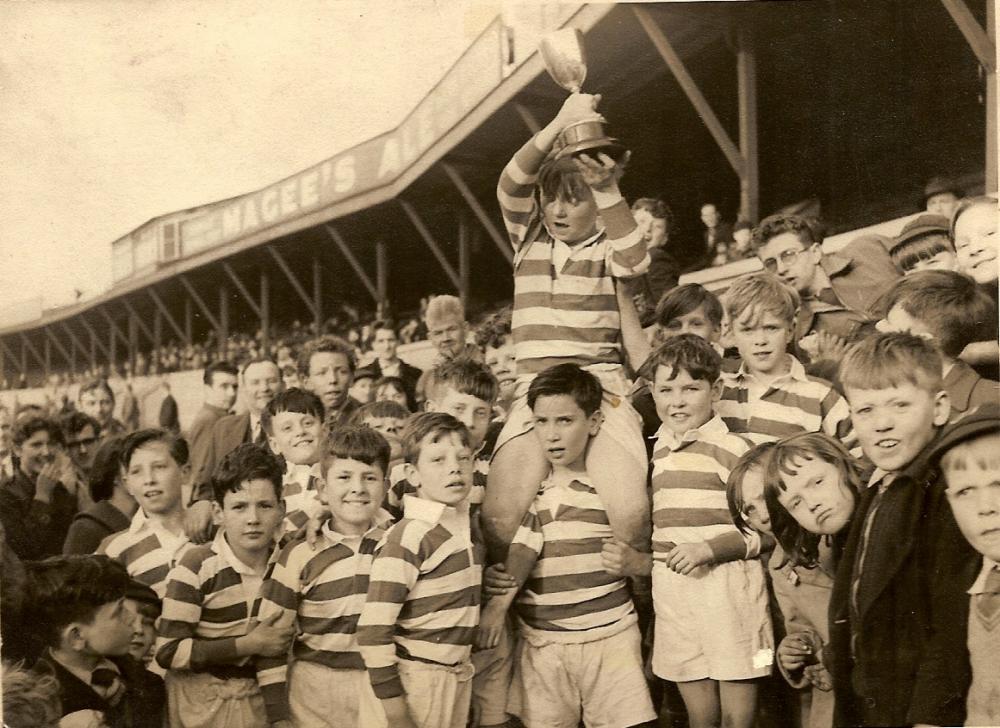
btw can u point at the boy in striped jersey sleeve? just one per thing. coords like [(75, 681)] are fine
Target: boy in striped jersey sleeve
[(574, 241), (293, 423), (208, 634), (155, 464), (417, 626), (322, 592), (771, 396), (713, 631), (580, 652)]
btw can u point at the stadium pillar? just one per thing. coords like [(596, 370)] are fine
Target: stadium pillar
[(501, 241), (115, 334), (241, 288), (463, 259), (24, 362), (265, 310), (77, 345), (51, 337), (983, 44), (95, 342), (157, 334), (431, 243), (8, 354), (528, 118), (746, 78), (25, 342), (47, 350), (133, 343), (161, 307), (382, 278), (292, 278), (223, 320), (3, 366), (188, 320), (138, 321), (317, 278)]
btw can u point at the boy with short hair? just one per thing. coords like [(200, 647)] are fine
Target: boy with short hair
[(690, 309), (923, 244), (322, 590), (326, 367), (713, 631), (971, 467), (422, 608), (493, 335), (895, 624), (580, 652), (949, 309), (386, 418), (771, 396), (206, 642), (80, 616), (96, 398), (154, 468), (293, 421)]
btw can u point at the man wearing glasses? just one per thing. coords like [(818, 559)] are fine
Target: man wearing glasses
[(839, 291), (82, 435)]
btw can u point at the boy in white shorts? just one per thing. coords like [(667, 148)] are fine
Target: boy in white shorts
[(579, 655)]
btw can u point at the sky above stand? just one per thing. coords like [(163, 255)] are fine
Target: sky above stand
[(117, 111)]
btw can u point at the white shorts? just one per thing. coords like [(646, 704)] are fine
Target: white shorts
[(556, 684), (491, 683), (621, 422), (712, 623), (201, 700), (437, 696), (323, 696)]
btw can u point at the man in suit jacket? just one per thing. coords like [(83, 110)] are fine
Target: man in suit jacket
[(385, 341), (259, 382)]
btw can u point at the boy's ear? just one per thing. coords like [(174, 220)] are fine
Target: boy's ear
[(217, 513), (412, 474), (272, 443), (717, 390), (71, 637), (595, 421), (186, 471), (942, 408)]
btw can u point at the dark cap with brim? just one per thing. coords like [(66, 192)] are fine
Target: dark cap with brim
[(920, 226), (938, 186)]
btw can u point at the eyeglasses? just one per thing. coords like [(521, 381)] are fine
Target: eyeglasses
[(787, 258)]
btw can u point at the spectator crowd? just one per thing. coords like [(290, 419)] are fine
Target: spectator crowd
[(617, 501)]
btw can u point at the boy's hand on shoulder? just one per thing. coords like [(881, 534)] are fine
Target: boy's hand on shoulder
[(687, 557), (313, 528), (496, 581), (269, 640), (620, 559), (829, 346), (198, 521)]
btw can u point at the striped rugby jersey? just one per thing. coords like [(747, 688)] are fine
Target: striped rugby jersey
[(689, 486), (794, 403), (322, 591), (147, 550), (568, 596), (210, 601), (299, 491), (564, 311), (423, 594)]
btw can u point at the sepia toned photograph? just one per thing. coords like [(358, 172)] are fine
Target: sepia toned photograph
[(498, 364)]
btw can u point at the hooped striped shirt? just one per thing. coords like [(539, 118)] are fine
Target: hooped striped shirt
[(793, 403), (569, 597), (147, 550), (399, 486), (565, 306), (689, 486), (301, 495), (211, 599), (322, 591), (423, 594)]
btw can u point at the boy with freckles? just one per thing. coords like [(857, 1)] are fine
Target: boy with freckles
[(896, 615)]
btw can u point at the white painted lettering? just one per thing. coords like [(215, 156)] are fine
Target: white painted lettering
[(231, 220), (269, 205), (289, 197), (391, 162), (250, 216), (345, 174), (309, 188)]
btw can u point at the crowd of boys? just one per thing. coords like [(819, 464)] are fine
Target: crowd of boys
[(540, 529)]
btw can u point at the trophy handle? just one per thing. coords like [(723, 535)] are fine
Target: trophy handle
[(564, 57)]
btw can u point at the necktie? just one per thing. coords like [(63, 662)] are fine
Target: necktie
[(107, 683), (259, 437), (987, 604)]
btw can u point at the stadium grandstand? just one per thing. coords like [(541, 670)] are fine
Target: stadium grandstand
[(758, 106)]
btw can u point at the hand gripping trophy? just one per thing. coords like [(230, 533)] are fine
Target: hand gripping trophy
[(566, 61)]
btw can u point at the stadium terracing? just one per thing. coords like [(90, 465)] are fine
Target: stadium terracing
[(847, 105)]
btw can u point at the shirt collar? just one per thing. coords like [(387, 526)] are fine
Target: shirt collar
[(582, 244), (429, 511), (881, 478), (715, 426), (84, 675), (221, 546), (300, 473), (336, 537), (834, 264), (795, 371), (979, 586)]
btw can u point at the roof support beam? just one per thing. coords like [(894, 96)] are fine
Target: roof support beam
[(317, 277), (265, 310), (746, 79), (95, 339), (382, 277), (198, 300), (241, 288), (26, 342), (977, 38), (431, 243), (528, 118), (503, 245), (77, 343), (464, 233), (223, 320), (290, 275), (115, 331), (59, 345), (688, 85), (138, 320), (162, 308), (353, 261), (10, 355)]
